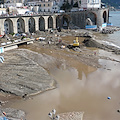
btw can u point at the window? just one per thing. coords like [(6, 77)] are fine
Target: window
[(48, 4), (44, 5), (96, 1), (6, 25)]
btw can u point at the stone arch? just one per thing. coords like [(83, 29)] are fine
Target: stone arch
[(20, 25), (50, 22), (31, 24), (104, 16), (41, 24), (8, 26), (58, 22), (66, 21), (88, 21), (93, 17)]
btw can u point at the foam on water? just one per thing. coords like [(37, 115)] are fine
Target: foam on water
[(111, 44)]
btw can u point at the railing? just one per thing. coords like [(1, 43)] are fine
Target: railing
[(49, 13), (28, 15), (19, 42)]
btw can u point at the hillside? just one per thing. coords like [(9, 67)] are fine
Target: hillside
[(115, 3)]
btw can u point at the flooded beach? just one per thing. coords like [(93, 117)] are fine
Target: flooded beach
[(88, 95), (80, 88)]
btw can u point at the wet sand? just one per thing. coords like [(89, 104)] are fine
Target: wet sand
[(81, 88)]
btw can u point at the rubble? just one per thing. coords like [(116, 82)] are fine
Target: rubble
[(13, 114), (71, 116)]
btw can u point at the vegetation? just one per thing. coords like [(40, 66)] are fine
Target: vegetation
[(1, 1), (75, 5), (12, 34)]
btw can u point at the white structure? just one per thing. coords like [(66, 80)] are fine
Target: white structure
[(13, 3), (87, 4), (22, 11), (45, 5), (2, 51), (2, 11)]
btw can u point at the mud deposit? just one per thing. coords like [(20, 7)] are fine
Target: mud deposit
[(81, 87)]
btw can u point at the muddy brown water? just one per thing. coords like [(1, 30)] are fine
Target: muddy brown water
[(80, 88)]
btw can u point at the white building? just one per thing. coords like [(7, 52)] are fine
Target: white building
[(13, 3), (87, 4), (21, 10), (2, 11), (45, 5)]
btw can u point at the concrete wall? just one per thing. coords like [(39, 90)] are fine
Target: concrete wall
[(10, 48), (96, 16)]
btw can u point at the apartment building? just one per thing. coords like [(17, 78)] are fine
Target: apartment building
[(87, 4), (13, 3), (45, 5)]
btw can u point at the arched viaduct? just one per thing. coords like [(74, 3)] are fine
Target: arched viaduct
[(20, 24)]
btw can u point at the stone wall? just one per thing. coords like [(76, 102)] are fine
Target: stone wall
[(96, 16)]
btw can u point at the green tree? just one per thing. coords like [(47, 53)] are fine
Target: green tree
[(75, 5)]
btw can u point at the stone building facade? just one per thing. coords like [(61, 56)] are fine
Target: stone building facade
[(87, 4)]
